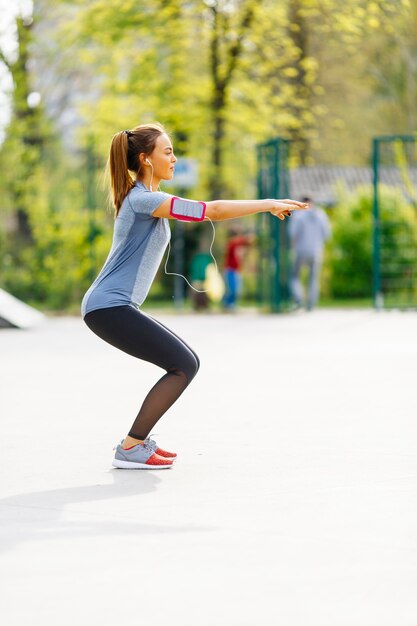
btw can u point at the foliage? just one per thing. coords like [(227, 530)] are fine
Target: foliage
[(222, 75), (57, 268), (348, 266)]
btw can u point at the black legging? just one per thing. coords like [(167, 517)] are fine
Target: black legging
[(138, 334)]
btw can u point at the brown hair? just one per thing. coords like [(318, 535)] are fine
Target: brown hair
[(124, 158)]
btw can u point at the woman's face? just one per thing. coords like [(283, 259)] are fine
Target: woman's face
[(163, 158)]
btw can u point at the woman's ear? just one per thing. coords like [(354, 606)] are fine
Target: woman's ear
[(142, 159)]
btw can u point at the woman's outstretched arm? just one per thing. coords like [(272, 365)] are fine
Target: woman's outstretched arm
[(218, 210)]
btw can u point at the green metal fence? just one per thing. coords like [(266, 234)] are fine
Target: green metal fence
[(274, 261), (395, 221), (394, 166)]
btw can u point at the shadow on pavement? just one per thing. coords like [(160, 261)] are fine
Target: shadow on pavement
[(45, 515)]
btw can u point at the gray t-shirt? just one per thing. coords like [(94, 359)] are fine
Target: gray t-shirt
[(139, 243)]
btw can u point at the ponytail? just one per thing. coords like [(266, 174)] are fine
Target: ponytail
[(121, 180)]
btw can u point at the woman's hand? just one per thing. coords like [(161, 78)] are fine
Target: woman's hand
[(283, 208)]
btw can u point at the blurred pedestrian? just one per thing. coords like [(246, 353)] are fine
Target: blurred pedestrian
[(308, 233), (235, 246), (139, 159)]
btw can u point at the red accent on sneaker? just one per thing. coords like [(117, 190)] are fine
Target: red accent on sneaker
[(155, 459), (166, 454)]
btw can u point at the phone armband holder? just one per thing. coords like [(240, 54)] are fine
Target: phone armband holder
[(187, 210)]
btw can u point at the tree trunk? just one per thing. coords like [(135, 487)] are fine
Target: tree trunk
[(25, 123), (216, 183), (301, 98), (221, 81)]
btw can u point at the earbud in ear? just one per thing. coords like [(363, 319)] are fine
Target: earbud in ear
[(148, 161)]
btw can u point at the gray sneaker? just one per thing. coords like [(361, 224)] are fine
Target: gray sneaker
[(142, 456)]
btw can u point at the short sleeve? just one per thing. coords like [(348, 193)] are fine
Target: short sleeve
[(146, 202)]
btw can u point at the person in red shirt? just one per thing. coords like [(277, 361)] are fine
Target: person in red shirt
[(235, 246)]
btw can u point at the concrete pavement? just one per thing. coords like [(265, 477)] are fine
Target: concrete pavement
[(293, 502)]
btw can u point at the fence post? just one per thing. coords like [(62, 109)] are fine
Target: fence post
[(273, 272)]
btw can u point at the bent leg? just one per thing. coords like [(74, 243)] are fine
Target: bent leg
[(175, 335), (137, 334)]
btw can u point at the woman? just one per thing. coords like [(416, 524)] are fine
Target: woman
[(110, 308)]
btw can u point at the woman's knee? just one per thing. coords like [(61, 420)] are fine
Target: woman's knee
[(190, 366), (186, 371)]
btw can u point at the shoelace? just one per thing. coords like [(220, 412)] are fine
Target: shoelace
[(150, 444)]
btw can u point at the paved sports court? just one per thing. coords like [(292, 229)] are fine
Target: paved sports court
[(293, 502)]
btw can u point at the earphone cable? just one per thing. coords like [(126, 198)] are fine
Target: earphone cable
[(212, 256)]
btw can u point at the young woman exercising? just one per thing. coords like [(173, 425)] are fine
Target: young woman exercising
[(110, 307)]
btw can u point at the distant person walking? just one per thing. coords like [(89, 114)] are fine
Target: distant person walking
[(139, 159), (236, 243), (308, 233)]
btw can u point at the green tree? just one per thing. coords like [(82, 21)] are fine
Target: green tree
[(392, 68), (21, 152), (349, 259), (226, 46), (46, 257)]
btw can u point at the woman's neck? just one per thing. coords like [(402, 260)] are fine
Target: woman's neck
[(146, 180)]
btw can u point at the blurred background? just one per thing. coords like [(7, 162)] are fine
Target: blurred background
[(299, 98)]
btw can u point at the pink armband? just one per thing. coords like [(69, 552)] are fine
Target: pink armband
[(187, 210)]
